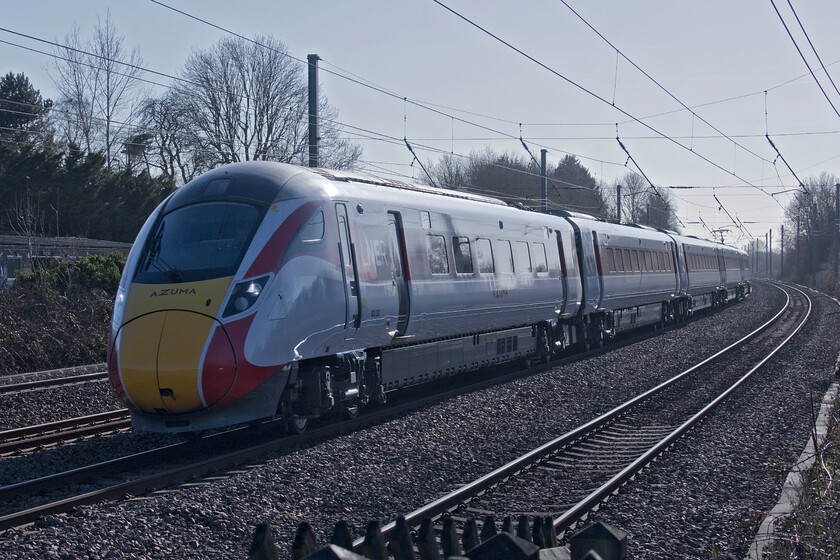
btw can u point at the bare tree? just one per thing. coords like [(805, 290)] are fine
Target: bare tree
[(98, 87), (450, 172), (660, 212), (248, 101), (634, 197), (813, 211), (26, 219), (174, 147)]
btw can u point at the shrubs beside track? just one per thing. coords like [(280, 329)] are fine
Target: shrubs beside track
[(58, 315)]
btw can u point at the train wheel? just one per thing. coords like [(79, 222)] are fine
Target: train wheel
[(296, 425), (293, 424), (348, 411)]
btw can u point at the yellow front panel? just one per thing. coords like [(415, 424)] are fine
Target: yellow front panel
[(138, 352), (182, 342), (201, 297)]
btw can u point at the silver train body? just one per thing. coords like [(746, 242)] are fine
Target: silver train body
[(265, 290)]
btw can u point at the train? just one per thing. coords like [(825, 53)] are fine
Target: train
[(267, 291)]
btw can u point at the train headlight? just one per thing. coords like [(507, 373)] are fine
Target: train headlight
[(119, 309), (244, 296)]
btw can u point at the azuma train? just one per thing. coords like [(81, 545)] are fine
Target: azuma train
[(270, 291)]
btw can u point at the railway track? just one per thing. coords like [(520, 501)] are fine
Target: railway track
[(63, 431), (22, 382), (162, 467), (587, 465)]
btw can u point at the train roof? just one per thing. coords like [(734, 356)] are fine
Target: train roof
[(263, 181), (355, 177)]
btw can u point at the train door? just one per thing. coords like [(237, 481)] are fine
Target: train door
[(564, 273), (352, 312), (399, 270), (599, 271)]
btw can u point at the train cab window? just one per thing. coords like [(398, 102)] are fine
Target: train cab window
[(198, 242), (523, 257), (313, 230), (484, 256), (463, 259), (540, 260), (505, 254), (438, 262), (425, 219)]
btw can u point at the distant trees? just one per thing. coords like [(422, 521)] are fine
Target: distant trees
[(24, 114), (52, 188), (814, 213), (641, 203), (517, 180), (97, 162), (240, 101), (98, 83)]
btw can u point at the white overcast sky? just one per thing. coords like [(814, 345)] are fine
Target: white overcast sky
[(716, 56)]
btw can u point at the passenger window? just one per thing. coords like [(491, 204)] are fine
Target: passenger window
[(438, 262), (635, 256), (619, 261), (647, 261), (313, 230), (523, 257), (425, 219), (505, 260), (484, 256), (610, 260), (463, 260), (540, 260)]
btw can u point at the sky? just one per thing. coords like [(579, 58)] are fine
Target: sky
[(556, 83)]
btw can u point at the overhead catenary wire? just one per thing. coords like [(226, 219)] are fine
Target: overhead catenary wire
[(419, 147), (722, 207), (652, 186), (257, 43), (813, 48), (635, 119), (590, 92), (659, 85), (805, 60)]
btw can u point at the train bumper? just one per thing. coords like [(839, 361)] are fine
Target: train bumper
[(176, 362), (257, 405)]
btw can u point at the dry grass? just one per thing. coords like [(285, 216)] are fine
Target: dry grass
[(43, 328)]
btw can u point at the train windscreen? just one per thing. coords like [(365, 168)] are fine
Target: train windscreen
[(198, 242)]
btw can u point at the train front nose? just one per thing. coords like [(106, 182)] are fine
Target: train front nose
[(176, 361)]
